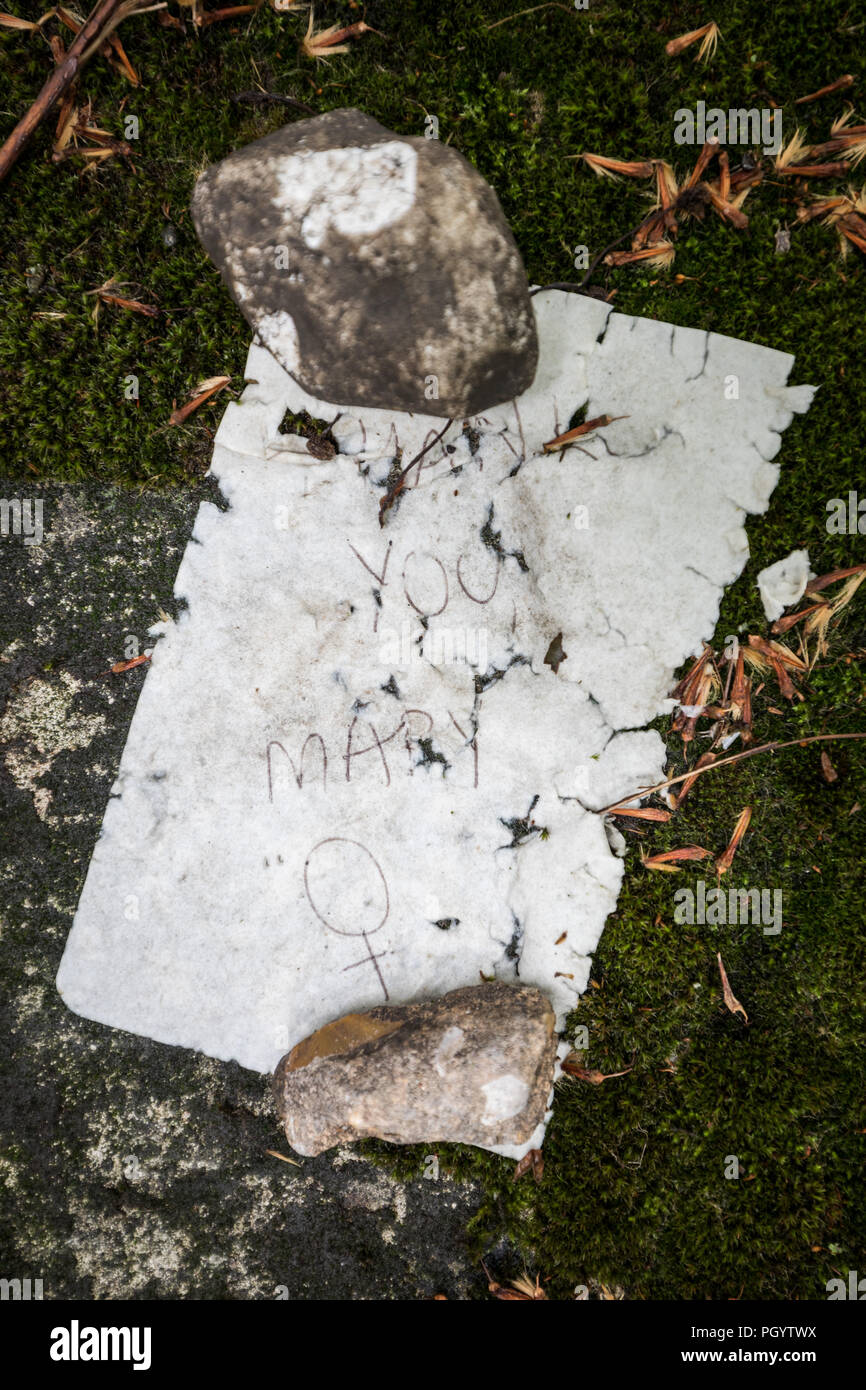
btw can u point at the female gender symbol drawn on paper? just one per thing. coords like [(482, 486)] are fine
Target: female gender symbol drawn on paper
[(342, 894)]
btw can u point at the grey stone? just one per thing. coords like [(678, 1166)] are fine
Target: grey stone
[(474, 1066), (377, 268)]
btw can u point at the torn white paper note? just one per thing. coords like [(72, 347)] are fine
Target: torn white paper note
[(351, 776)]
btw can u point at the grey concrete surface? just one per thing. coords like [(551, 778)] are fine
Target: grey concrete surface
[(133, 1169)]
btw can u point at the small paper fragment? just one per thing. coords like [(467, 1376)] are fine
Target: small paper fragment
[(784, 583)]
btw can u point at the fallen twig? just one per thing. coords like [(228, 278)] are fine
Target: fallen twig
[(208, 17), (103, 20), (275, 98), (838, 86), (550, 5), (399, 483), (695, 772)]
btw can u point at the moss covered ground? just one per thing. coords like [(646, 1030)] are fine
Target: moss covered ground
[(634, 1195)]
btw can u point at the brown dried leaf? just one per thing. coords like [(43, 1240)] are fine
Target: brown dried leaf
[(853, 228), (815, 171), (328, 42), (779, 657), (703, 761), (818, 622), (123, 63), (823, 581), (205, 18), (573, 1068), (661, 253), (785, 624), (11, 21), (787, 688), (741, 697), (724, 176), (848, 591), (842, 124), (652, 230), (683, 689), (725, 860), (777, 651), (522, 1289), (852, 143), (708, 33), (699, 689), (202, 393), (666, 184), (710, 148), (66, 121), (795, 150), (667, 861), (653, 813), (746, 178), (135, 306), (830, 209), (531, 1162), (120, 666), (615, 168), (728, 212), (828, 771), (730, 1001), (68, 19), (598, 423)]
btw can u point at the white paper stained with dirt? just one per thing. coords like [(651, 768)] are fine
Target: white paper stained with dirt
[(351, 777)]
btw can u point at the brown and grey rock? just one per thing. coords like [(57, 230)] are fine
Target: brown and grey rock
[(377, 268), (474, 1066)]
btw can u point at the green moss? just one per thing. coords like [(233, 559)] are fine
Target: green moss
[(634, 1192)]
